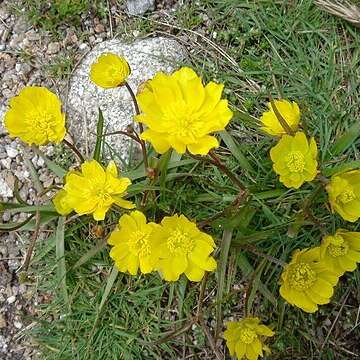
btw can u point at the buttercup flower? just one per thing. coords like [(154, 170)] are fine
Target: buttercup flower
[(290, 113), (93, 190), (35, 116), (294, 159), (306, 282), (344, 194), (61, 203), (110, 71), (244, 338), (341, 251), (180, 112), (180, 247), (132, 243)]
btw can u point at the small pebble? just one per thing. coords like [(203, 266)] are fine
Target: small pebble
[(11, 299)]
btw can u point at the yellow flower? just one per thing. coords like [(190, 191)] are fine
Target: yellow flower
[(344, 194), (294, 159), (35, 116), (61, 203), (180, 247), (341, 251), (244, 338), (306, 282), (289, 111), (110, 71), (132, 243), (180, 112), (93, 190)]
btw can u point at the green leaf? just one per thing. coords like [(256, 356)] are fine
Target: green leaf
[(14, 208), (346, 140), (224, 253), (17, 193), (33, 172), (45, 218), (139, 188), (99, 136), (15, 226), (235, 150), (60, 258), (55, 168), (94, 250), (248, 270), (352, 165), (109, 284), (50, 244)]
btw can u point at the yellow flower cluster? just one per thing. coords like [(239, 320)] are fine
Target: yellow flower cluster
[(344, 194), (110, 71), (92, 191), (294, 159), (180, 112), (243, 338), (290, 113), (35, 116), (175, 247), (308, 280)]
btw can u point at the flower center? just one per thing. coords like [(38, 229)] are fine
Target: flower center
[(116, 73), (139, 243), (183, 120), (346, 195), (180, 243), (338, 250), (295, 161), (40, 120), (247, 335), (301, 276)]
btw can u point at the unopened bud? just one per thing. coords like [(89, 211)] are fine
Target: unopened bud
[(98, 231), (150, 173), (129, 129), (142, 86)]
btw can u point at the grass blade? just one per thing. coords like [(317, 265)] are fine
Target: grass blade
[(224, 252), (60, 258), (234, 148), (99, 136), (345, 140)]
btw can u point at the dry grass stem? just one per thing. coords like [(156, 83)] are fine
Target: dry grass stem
[(343, 9)]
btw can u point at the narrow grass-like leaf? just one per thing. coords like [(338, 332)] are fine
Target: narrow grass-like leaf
[(99, 136), (60, 258), (17, 193), (14, 208), (33, 172), (94, 250), (224, 252), (109, 284), (235, 150), (247, 270), (46, 217), (55, 168), (352, 165), (50, 244), (345, 140), (15, 226)]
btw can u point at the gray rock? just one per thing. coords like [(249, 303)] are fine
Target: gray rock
[(53, 48), (5, 190), (146, 58), (139, 7), (3, 322)]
